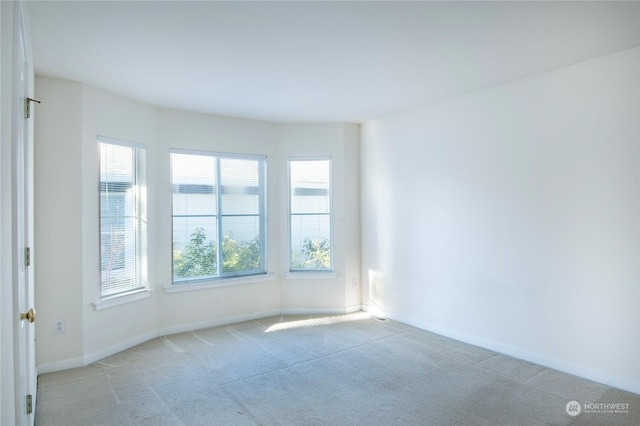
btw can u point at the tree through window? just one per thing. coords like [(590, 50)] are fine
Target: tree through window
[(310, 214), (219, 220)]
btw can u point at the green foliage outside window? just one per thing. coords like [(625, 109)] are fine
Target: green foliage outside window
[(199, 257), (239, 256), (315, 254)]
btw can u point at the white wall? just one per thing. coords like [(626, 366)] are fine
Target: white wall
[(70, 119), (509, 218), (324, 291), (106, 114), (58, 219), (203, 132)]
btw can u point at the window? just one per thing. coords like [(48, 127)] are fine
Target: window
[(123, 225), (219, 220), (310, 214)]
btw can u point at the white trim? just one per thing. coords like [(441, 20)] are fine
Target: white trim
[(122, 346), (218, 154), (523, 354), (550, 362), (311, 275), (120, 142), (121, 299), (139, 176), (96, 356), (219, 214), (375, 311), (112, 350), (310, 158), (330, 214), (175, 329), (321, 311), (220, 282), (66, 364)]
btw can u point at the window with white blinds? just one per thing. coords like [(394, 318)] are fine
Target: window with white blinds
[(123, 225), (219, 220), (310, 214)]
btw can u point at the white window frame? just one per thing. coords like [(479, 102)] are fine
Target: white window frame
[(262, 214), (311, 272), (139, 275)]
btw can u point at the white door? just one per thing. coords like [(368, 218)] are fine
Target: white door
[(22, 196)]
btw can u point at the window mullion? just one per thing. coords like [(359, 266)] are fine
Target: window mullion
[(230, 191), (136, 220), (219, 217), (263, 216)]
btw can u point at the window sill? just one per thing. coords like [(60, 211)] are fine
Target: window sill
[(311, 275), (121, 299), (220, 282)]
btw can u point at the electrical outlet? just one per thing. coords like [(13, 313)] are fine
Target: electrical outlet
[(58, 326), (354, 282)]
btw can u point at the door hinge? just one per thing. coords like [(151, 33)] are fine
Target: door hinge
[(29, 404), (27, 106), (27, 256)]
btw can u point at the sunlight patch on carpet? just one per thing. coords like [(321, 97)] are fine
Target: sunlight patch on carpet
[(315, 322)]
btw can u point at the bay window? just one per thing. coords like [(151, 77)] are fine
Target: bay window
[(219, 220)]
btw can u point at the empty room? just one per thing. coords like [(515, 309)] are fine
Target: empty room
[(319, 213)]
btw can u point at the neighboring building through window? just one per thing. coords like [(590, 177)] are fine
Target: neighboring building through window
[(219, 219), (123, 225), (310, 214)]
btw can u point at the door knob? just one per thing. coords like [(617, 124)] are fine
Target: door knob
[(30, 315)]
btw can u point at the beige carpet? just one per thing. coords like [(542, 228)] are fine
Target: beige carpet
[(311, 370)]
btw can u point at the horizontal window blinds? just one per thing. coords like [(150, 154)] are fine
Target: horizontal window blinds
[(218, 215), (122, 217), (310, 214)]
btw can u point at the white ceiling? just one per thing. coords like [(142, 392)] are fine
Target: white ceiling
[(317, 61)]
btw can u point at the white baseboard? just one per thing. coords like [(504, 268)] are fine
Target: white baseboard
[(374, 311), (66, 364), (175, 329), (165, 331), (122, 346), (534, 357), (540, 359), (321, 311)]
